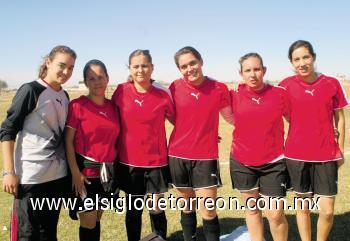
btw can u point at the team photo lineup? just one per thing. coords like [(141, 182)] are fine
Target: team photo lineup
[(287, 138)]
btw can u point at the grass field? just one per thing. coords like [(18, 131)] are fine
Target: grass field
[(113, 224)]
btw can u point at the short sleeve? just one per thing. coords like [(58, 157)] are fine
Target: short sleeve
[(170, 109), (339, 99), (73, 115), (225, 99)]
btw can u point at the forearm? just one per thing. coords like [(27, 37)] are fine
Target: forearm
[(339, 121), (8, 157)]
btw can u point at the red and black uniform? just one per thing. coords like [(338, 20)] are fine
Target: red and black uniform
[(143, 167), (311, 132), (193, 145), (257, 152), (95, 141)]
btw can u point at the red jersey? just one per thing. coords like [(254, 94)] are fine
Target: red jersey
[(311, 134), (97, 130), (258, 137), (195, 135), (142, 115)]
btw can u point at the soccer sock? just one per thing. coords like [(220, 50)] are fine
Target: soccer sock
[(189, 226), (133, 224), (211, 229), (85, 234), (97, 231), (159, 224)]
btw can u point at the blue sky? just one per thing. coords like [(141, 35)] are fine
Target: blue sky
[(221, 30)]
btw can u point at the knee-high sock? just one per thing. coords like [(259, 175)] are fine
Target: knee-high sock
[(189, 226), (159, 224), (211, 229)]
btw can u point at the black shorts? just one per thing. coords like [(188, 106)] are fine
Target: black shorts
[(141, 181), (195, 174), (95, 199), (269, 179), (318, 178)]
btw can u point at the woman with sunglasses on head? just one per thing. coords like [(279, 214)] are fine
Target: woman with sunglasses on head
[(257, 165), (92, 130), (143, 169), (37, 168), (313, 151), (193, 146)]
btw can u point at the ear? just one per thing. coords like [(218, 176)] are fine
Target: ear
[(264, 69), (47, 62), (240, 73)]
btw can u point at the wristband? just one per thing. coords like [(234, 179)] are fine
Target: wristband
[(8, 173)]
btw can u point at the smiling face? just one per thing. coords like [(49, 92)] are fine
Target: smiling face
[(96, 80), (141, 69), (252, 72), (59, 69), (191, 68), (303, 62)]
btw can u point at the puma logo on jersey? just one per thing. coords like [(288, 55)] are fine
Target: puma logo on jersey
[(59, 101), (139, 102), (256, 100), (311, 92), (195, 95), (103, 113)]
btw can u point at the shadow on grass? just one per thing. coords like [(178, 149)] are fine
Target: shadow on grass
[(339, 232)]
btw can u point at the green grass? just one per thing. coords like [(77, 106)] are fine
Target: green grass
[(113, 224)]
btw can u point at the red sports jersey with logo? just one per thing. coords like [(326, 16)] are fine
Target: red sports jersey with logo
[(195, 135), (97, 130), (311, 134), (142, 115), (258, 137)]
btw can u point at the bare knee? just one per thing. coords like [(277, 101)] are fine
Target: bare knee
[(276, 217)]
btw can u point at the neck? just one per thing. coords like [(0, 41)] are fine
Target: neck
[(54, 85), (257, 89), (97, 99), (142, 87), (197, 82), (310, 79)]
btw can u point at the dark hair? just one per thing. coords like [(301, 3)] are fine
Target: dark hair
[(247, 56), (187, 50), (94, 62), (58, 49), (143, 52), (300, 43)]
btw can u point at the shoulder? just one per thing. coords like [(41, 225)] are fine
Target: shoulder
[(217, 84), (161, 89), (287, 81), (82, 100)]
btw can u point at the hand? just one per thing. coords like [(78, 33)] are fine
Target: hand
[(336, 134), (10, 184), (78, 184)]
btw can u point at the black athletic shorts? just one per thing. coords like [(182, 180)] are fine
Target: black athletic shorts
[(318, 178), (141, 181), (270, 179), (95, 198), (195, 174)]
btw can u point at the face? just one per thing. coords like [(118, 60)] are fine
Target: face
[(96, 80), (303, 62), (140, 69), (60, 69), (253, 73), (190, 68)]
